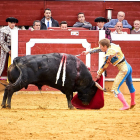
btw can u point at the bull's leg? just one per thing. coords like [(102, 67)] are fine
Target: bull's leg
[(9, 97), (11, 90), (69, 96), (4, 98)]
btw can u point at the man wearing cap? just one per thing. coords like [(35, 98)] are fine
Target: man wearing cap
[(47, 21), (100, 26), (5, 43), (81, 22)]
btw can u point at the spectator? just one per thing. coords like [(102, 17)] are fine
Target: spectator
[(63, 25), (82, 22), (100, 26), (21, 27), (120, 17), (119, 28), (48, 21), (36, 25), (136, 27), (5, 43)]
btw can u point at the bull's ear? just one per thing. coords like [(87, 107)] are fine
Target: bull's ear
[(98, 86)]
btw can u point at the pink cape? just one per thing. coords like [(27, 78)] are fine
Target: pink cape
[(96, 102)]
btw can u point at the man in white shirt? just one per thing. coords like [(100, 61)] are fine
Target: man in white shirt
[(47, 21), (119, 27)]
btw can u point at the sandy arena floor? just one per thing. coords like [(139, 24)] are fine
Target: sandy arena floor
[(47, 117)]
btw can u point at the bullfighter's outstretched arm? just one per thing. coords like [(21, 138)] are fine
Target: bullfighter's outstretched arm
[(95, 50)]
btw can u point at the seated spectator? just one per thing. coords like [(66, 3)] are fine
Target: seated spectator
[(136, 27), (63, 25), (36, 25), (81, 22), (48, 21), (120, 18), (21, 27), (100, 26), (119, 28)]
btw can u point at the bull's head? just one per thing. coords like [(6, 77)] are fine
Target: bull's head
[(86, 95)]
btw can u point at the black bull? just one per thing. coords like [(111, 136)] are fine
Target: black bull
[(42, 70)]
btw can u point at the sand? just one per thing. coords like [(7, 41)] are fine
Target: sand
[(45, 116)]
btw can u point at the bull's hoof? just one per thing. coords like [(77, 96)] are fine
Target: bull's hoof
[(71, 107), (3, 106), (8, 106)]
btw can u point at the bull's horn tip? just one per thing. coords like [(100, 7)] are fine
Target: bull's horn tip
[(97, 85)]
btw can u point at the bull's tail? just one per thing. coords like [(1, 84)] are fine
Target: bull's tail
[(18, 81)]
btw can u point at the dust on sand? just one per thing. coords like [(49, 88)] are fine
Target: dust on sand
[(45, 116)]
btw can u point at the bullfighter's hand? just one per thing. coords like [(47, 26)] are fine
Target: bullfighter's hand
[(98, 76), (9, 52), (110, 57)]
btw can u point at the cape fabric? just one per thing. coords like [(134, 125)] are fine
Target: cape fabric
[(96, 102)]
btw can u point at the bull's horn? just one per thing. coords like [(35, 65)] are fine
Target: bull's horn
[(98, 86)]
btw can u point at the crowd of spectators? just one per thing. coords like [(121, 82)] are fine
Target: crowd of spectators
[(101, 23)]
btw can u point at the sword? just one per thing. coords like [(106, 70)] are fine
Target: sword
[(78, 54)]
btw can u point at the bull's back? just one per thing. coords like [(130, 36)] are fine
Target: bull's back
[(48, 66)]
